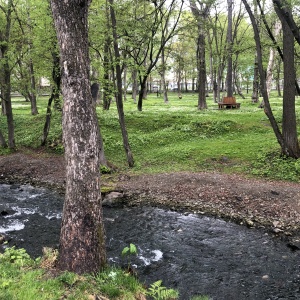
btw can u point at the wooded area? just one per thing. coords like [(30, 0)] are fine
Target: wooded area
[(131, 48)]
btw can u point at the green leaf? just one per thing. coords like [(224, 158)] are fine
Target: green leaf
[(133, 249), (125, 251)]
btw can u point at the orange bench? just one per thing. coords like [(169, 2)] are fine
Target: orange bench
[(229, 102)]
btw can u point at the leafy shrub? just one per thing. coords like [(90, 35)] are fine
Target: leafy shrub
[(158, 292), (115, 283), (274, 166), (16, 256)]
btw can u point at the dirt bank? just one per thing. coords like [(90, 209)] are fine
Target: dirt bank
[(253, 202)]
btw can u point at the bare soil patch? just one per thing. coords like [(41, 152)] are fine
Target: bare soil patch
[(252, 202)]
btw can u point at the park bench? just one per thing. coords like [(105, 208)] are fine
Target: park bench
[(228, 102)]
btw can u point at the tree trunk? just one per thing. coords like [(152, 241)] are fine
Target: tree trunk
[(2, 140), (271, 63), (278, 72), (289, 123), (201, 66), (286, 15), (134, 85), (201, 15), (179, 82), (229, 81), (255, 89), (82, 239), (143, 82), (163, 77), (56, 77), (32, 93), (267, 109), (284, 12), (119, 89), (124, 89), (107, 89), (6, 79)]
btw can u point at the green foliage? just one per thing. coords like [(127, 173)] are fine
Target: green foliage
[(105, 170), (272, 165), (128, 251), (115, 282), (16, 256), (158, 292)]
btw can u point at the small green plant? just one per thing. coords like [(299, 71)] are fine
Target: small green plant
[(159, 292), (129, 252), (16, 256), (200, 298), (68, 278), (105, 170), (115, 283)]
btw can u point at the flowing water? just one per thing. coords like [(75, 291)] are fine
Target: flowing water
[(191, 253)]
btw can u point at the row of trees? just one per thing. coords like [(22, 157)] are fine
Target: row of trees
[(154, 38), (107, 40), (191, 44)]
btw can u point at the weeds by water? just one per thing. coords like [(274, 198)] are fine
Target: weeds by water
[(22, 278)]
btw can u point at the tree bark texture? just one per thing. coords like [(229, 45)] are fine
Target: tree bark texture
[(82, 239), (289, 123), (201, 15), (163, 77), (229, 80), (271, 62), (32, 92), (119, 89), (6, 77), (56, 77), (201, 66), (2, 140), (107, 86), (273, 37), (284, 12)]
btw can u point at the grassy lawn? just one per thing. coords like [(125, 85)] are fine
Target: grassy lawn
[(176, 136)]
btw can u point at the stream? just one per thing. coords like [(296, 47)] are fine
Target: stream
[(197, 255)]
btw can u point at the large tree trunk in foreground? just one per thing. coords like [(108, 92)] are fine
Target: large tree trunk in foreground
[(82, 240)]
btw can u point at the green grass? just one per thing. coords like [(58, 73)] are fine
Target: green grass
[(176, 136), (22, 278)]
